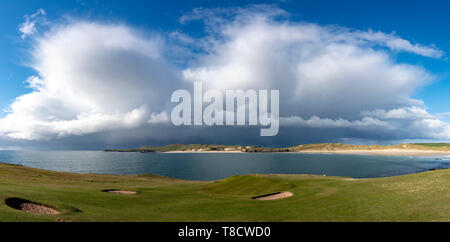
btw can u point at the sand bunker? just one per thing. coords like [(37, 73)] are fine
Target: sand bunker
[(274, 196), (118, 191), (29, 206)]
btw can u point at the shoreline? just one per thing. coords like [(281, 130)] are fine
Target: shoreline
[(157, 176), (386, 152), (180, 151), (404, 149)]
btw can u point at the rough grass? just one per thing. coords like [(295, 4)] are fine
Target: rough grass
[(248, 185), (415, 197), (447, 145)]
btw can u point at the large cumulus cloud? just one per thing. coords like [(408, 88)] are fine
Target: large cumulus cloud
[(326, 71), (91, 77), (110, 82), (329, 77)]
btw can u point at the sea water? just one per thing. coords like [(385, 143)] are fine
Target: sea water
[(214, 166)]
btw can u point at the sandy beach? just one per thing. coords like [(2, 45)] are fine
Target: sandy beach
[(202, 151), (389, 152)]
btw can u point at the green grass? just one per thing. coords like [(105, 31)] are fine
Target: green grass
[(433, 144), (416, 197)]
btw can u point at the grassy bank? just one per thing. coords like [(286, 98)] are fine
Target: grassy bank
[(305, 147), (415, 197)]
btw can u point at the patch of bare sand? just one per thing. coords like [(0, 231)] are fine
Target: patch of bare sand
[(274, 196), (118, 191), (30, 207), (355, 179)]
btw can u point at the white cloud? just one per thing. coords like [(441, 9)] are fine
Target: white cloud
[(92, 77), (390, 41), (28, 27), (316, 122), (158, 118), (412, 112), (96, 77), (330, 72), (413, 122), (320, 70), (403, 123), (214, 17)]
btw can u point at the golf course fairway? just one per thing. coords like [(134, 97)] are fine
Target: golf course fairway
[(92, 197)]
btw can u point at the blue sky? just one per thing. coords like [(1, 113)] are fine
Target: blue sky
[(421, 22)]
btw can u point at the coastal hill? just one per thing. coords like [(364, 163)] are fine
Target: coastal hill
[(320, 147)]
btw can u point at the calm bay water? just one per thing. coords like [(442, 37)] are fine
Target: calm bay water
[(214, 166)]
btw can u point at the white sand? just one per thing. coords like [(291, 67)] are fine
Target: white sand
[(203, 152), (275, 196), (390, 152)]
